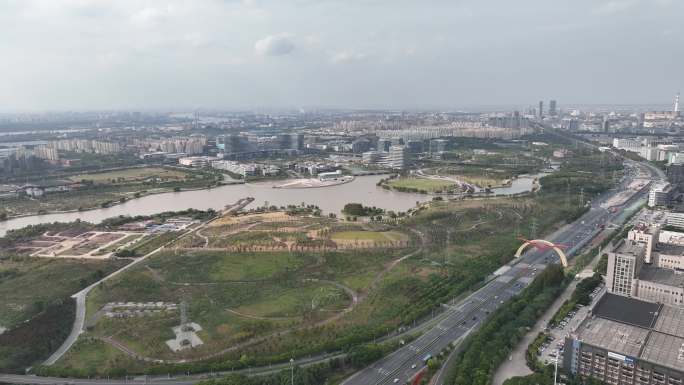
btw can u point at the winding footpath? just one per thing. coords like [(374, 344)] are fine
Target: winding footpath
[(80, 297)]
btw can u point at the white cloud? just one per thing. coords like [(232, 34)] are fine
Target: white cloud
[(275, 45), (347, 56), (148, 17), (616, 6)]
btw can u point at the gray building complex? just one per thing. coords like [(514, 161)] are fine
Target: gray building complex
[(626, 341), (647, 267)]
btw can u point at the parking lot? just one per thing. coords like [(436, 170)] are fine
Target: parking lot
[(554, 347)]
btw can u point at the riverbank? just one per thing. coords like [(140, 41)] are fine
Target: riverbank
[(112, 203), (329, 200), (447, 186)]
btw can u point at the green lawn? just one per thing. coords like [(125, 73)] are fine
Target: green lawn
[(429, 185), (222, 267)]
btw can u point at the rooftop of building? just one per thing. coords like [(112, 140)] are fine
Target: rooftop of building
[(670, 321), (670, 249), (628, 247), (613, 336), (626, 310), (664, 349), (638, 329), (668, 277)]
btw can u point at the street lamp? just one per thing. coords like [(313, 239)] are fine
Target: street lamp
[(555, 370), (291, 371)]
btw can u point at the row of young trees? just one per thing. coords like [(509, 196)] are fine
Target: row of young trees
[(487, 348), (36, 339)]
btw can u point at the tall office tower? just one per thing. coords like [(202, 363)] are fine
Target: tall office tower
[(384, 144), (676, 104), (624, 265), (552, 108), (296, 141), (541, 109), (398, 157)]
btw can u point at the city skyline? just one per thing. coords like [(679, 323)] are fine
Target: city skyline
[(75, 54)]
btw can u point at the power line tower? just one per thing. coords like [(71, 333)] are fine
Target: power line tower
[(581, 197), (533, 229), (567, 194), (183, 314), (445, 272)]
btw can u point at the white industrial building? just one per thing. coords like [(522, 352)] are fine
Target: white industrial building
[(659, 195)]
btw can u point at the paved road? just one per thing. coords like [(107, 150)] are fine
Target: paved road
[(80, 297), (403, 364)]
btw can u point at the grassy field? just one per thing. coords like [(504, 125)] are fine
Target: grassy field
[(133, 175), (224, 267), (27, 284), (86, 356), (233, 297), (429, 185)]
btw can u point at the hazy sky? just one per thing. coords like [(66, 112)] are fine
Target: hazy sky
[(91, 54)]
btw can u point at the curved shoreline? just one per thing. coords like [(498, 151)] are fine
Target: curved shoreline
[(494, 191), (113, 203)]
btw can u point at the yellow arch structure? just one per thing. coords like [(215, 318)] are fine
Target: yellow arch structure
[(561, 254)]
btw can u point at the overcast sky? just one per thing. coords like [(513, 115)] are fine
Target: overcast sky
[(136, 54)]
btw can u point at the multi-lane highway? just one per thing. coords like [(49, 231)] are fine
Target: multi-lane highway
[(458, 321), (402, 365)]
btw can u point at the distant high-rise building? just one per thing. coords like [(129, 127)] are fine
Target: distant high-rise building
[(232, 143), (292, 141), (606, 123), (360, 145), (541, 109), (552, 108), (415, 146), (296, 141), (676, 103), (438, 145), (398, 157), (384, 144)]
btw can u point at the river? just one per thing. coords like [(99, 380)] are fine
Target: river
[(330, 199)]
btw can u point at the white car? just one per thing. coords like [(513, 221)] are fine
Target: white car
[(413, 366), (396, 380)]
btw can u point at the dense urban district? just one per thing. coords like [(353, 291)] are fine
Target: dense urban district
[(343, 247)]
